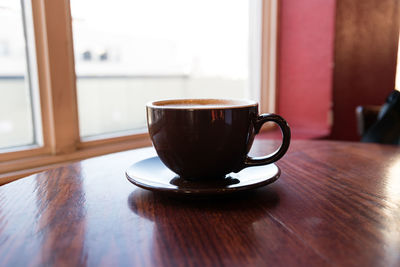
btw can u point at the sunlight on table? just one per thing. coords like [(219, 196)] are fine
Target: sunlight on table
[(391, 232)]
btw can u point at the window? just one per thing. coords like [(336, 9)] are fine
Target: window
[(155, 49), (18, 102), (96, 70)]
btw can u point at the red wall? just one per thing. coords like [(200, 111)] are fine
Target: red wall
[(305, 63)]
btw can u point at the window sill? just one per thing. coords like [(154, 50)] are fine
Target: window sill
[(18, 168)]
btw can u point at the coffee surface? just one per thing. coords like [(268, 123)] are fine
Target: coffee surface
[(202, 103), (196, 106)]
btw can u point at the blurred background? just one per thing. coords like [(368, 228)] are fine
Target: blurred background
[(332, 56), (126, 56)]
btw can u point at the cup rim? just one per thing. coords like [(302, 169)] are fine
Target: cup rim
[(216, 103)]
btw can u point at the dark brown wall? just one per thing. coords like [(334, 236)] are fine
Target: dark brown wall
[(365, 52)]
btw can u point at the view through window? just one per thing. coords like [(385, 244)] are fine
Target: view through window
[(16, 77), (136, 51)]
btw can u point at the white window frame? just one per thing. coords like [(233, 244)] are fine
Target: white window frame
[(58, 98)]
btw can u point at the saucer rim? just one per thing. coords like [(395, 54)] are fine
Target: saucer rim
[(207, 191)]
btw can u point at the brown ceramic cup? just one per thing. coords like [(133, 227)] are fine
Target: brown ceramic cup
[(209, 138)]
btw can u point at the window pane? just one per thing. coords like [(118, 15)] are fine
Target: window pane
[(16, 114), (138, 51)]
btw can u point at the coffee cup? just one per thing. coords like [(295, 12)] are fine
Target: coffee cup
[(201, 139)]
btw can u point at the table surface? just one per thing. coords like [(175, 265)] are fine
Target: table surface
[(336, 203)]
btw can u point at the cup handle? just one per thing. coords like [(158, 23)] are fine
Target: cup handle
[(258, 122)]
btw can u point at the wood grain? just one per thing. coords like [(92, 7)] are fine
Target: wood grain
[(336, 203)]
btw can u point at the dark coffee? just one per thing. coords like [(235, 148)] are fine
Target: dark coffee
[(208, 138)]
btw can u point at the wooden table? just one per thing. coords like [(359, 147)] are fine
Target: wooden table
[(336, 203)]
